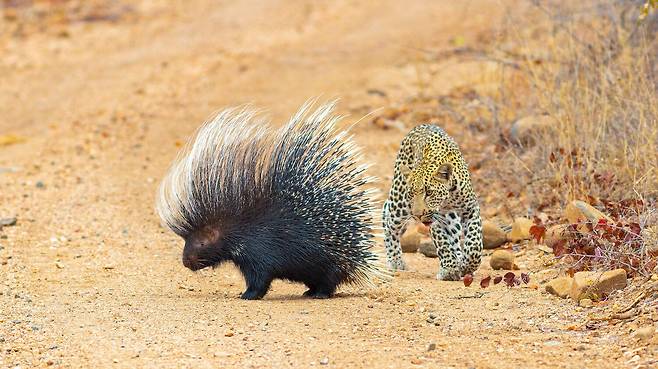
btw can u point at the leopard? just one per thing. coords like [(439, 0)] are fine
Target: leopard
[(431, 184)]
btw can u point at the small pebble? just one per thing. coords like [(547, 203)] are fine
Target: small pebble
[(40, 184), (586, 303), (228, 334), (324, 361), (645, 333), (7, 222), (431, 346)]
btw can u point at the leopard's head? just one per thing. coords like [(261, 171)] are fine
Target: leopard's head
[(428, 187)]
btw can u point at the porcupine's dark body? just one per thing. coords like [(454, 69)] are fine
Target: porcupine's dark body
[(280, 205)]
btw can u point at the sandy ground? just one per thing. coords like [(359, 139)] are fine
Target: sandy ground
[(88, 277)]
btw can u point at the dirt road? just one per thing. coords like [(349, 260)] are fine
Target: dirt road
[(90, 278)]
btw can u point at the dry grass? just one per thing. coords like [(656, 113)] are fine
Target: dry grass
[(601, 87), (593, 68)]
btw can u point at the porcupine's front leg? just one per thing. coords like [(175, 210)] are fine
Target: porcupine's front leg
[(393, 223), (258, 283), (472, 224), (445, 232)]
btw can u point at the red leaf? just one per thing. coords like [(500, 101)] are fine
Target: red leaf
[(509, 279), (525, 278), (602, 224), (635, 228), (484, 283), (559, 248), (468, 279), (538, 232), (498, 279)]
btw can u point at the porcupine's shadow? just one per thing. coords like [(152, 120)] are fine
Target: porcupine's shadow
[(292, 297), (287, 297)]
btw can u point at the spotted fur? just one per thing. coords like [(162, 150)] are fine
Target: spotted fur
[(292, 203), (432, 184)]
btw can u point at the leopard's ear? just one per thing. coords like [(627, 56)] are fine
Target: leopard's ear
[(444, 172), (404, 170)]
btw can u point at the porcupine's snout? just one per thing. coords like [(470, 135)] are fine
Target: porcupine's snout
[(202, 249)]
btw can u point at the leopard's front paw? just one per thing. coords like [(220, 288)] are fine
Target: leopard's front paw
[(448, 274), (398, 264)]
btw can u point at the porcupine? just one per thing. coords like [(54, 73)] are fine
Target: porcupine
[(286, 204)]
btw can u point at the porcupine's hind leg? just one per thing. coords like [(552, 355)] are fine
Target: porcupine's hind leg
[(324, 287), (320, 291)]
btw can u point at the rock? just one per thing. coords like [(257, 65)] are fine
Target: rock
[(502, 259), (492, 235), (595, 285), (410, 240), (586, 303), (427, 248), (526, 130), (6, 140), (228, 333), (520, 229), (431, 346), (645, 333), (560, 287), (581, 211), (545, 249), (324, 361), (555, 234), (7, 222)]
